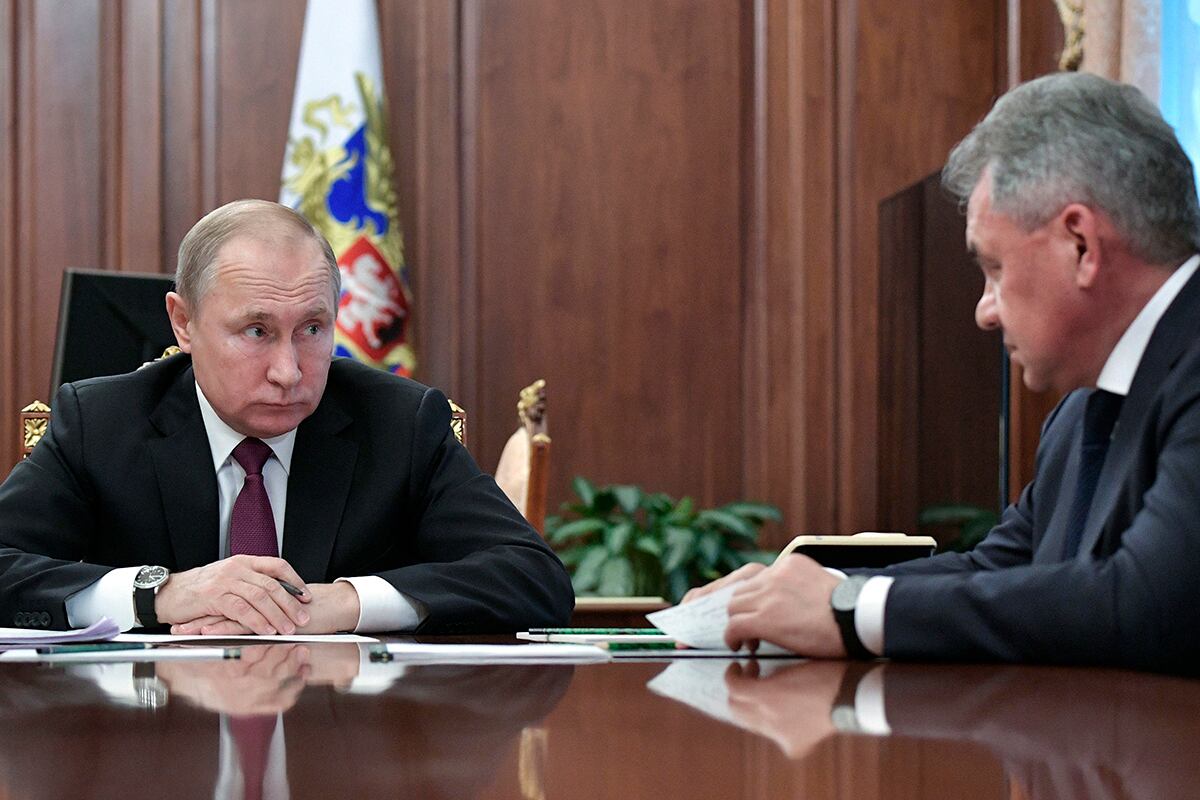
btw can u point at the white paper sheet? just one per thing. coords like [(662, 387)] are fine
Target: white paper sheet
[(29, 655), (701, 623), (99, 631), (496, 653), (701, 685)]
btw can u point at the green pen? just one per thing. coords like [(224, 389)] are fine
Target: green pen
[(91, 647), (637, 645)]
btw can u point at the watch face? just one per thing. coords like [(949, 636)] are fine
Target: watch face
[(149, 577), (845, 594)]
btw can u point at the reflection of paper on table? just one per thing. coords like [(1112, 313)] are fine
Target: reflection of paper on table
[(496, 653), (101, 630), (701, 685), (701, 623), (167, 638)]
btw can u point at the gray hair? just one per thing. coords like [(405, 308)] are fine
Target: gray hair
[(261, 219), (1076, 137)]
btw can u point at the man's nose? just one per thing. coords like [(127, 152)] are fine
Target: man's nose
[(284, 369), (987, 316)]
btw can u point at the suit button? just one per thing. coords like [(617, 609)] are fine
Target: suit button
[(20, 619), (44, 618)]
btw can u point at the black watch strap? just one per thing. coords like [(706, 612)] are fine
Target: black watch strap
[(845, 602), (143, 607)]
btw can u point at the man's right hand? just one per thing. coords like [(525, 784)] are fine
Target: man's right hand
[(242, 588)]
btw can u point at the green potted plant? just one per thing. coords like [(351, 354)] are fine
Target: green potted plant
[(621, 541)]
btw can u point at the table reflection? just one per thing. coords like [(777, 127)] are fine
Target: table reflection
[(335, 724), (1058, 732)]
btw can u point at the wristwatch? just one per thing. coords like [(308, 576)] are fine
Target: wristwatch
[(145, 587), (843, 602)]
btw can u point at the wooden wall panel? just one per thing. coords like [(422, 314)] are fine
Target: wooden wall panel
[(668, 210), (914, 85), (607, 239), (9, 274)]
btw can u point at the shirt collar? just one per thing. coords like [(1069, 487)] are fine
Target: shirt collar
[(1123, 361), (222, 438)]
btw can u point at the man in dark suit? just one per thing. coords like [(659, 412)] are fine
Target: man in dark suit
[(1082, 211), (190, 492)]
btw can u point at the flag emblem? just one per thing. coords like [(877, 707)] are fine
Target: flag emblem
[(338, 173)]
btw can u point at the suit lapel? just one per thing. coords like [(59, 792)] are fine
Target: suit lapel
[(186, 480), (1174, 333), (318, 487), (1050, 548)]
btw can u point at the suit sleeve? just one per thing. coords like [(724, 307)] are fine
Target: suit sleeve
[(45, 525), (1135, 607), (483, 568)]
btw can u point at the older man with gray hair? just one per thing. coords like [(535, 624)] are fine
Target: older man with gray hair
[(254, 484), (1082, 213)]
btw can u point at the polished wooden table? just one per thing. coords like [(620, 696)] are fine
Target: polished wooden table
[(355, 729)]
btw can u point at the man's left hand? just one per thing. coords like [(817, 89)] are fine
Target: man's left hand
[(334, 608), (786, 604)]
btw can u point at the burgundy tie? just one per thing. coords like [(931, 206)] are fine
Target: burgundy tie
[(252, 527), (253, 737)]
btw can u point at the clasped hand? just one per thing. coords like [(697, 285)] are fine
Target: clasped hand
[(242, 594)]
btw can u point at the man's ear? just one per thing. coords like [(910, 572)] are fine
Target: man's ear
[(180, 316), (1081, 226)]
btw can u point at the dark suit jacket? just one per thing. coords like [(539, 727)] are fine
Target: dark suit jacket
[(378, 486), (1132, 595)]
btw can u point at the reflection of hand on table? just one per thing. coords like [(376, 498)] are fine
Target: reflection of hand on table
[(791, 706), (267, 679)]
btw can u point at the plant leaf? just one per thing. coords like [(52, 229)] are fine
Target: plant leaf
[(708, 547), (649, 544), (572, 556), (616, 538), (680, 542), (677, 585), (729, 522), (682, 513), (577, 527), (616, 578), (759, 512), (584, 488), (628, 498), (587, 574)]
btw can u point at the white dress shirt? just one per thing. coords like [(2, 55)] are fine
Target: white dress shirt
[(1116, 377), (382, 608)]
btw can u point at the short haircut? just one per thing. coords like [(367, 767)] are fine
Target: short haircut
[(257, 219), (1076, 137)]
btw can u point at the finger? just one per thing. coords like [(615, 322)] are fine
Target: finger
[(237, 608), (192, 627), (740, 574), (280, 570), (739, 630), (224, 627), (271, 600)]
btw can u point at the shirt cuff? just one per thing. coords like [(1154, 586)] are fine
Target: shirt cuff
[(111, 596), (374, 677), (382, 608), (868, 701), (868, 613)]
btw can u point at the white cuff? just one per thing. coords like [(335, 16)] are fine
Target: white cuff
[(374, 677), (382, 608), (868, 702), (111, 596), (868, 613)]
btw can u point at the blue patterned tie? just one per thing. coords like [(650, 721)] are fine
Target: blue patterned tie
[(1098, 420)]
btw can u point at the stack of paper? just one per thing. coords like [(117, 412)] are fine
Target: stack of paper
[(100, 631)]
